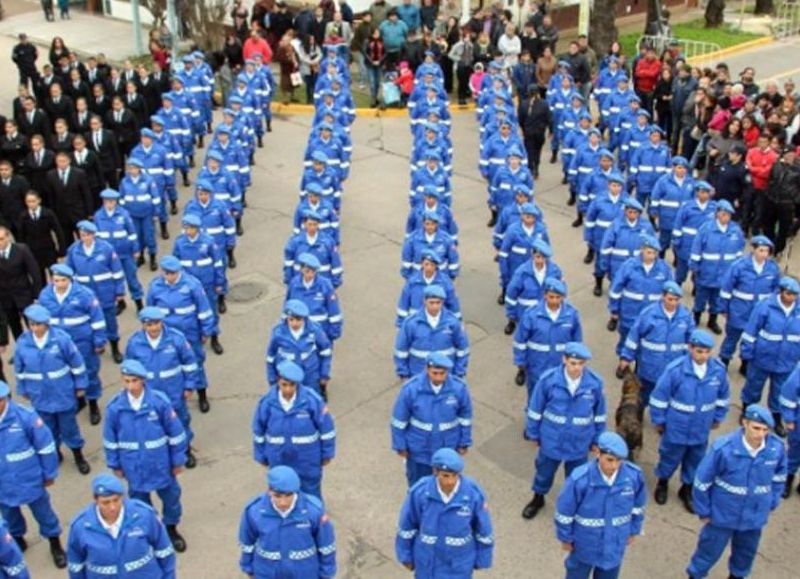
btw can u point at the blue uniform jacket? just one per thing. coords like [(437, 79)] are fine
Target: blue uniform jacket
[(145, 444), (79, 314), (647, 164), (510, 215), (597, 518), (595, 185), (322, 246), (688, 220), (505, 182), (328, 180), (424, 177), (632, 139), (216, 221), (539, 341), (179, 127), (202, 258), (494, 153), (771, 339), (667, 197), (735, 490), (447, 222), (633, 288), (141, 198), (235, 162), (621, 241), (158, 164), (101, 271), (790, 404), (118, 230), (566, 425), (330, 219), (416, 338), (322, 302), (687, 406), (27, 455), (714, 251), (743, 287), (424, 421), (12, 565), (142, 545), (602, 212), (226, 188), (185, 306), (524, 290), (301, 545), (445, 540), (412, 298), (517, 247), (311, 351), (418, 244), (583, 164), (337, 158)]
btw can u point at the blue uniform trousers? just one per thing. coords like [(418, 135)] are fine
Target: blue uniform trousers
[(416, 470), (212, 296), (182, 410), (623, 333), (681, 270), (670, 456), (129, 267), (170, 500), (146, 233), (43, 513), (110, 315), (64, 426), (754, 386), (199, 350), (711, 545), (665, 238), (546, 469), (731, 341), (793, 452), (312, 486), (579, 570), (706, 296), (91, 360)]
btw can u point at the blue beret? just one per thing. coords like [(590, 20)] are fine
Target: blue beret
[(296, 309), (623, 78), (235, 100), (643, 113), (789, 284), (167, 96), (448, 460), (192, 219), (584, 116), (251, 60), (5, 391), (670, 287), (151, 314), (433, 155), (655, 129), (283, 479), (577, 350), (552, 284), (204, 185), (631, 203), (760, 414), (325, 127), (432, 127), (616, 177), (564, 64), (434, 291), (431, 216), (613, 444), (309, 260), (633, 98), (37, 314), (158, 120), (215, 155), (703, 186), (106, 485), (603, 152), (514, 152), (170, 263), (578, 96), (177, 79), (522, 188), (326, 92), (758, 240), (724, 205), (131, 367), (319, 157), (504, 123), (134, 162), (701, 339), (541, 246), (225, 129), (530, 209), (439, 360), (431, 256), (198, 54), (148, 133), (109, 194), (87, 226), (187, 58), (431, 191), (314, 188), (594, 131), (290, 371), (312, 215), (62, 269), (651, 242), (678, 160)]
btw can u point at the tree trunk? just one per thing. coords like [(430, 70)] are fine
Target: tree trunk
[(651, 24), (715, 13), (764, 7), (205, 22), (602, 28)]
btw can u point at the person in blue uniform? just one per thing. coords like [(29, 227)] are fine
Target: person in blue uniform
[(318, 294), (201, 257), (601, 213), (30, 467), (445, 529), (430, 237), (691, 215), (738, 484), (144, 443), (412, 297), (790, 403), (286, 532), (600, 511), (518, 242), (621, 241), (312, 239), (566, 415), (670, 192), (293, 427), (140, 196), (526, 288), (114, 532)]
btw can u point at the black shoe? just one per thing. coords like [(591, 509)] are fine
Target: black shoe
[(612, 324), (697, 316), (216, 346), (661, 492), (713, 325), (260, 142), (239, 228), (533, 507), (81, 404), (598, 286), (589, 257), (619, 373), (519, 379), (60, 455), (139, 305), (140, 260), (83, 466), (564, 182), (510, 327), (323, 392), (191, 461), (572, 200), (685, 494), (780, 429), (209, 130), (231, 259), (222, 307), (743, 368), (787, 490), (57, 552), (153, 264), (186, 182), (21, 543), (191, 165), (269, 126), (501, 299), (202, 401), (178, 542), (164, 231), (94, 413), (554, 158), (121, 305), (493, 219), (116, 355), (578, 221), (173, 207), (200, 142)]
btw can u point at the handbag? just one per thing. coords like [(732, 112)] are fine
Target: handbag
[(296, 79), (696, 133)]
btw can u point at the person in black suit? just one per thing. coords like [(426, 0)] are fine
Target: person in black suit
[(42, 88), (12, 196), (79, 123), (68, 189), (34, 121), (77, 87), (103, 67), (19, 107), (161, 78), (99, 104), (37, 164), (123, 124), (85, 159), (59, 105), (136, 104), (42, 233), (24, 56), (20, 282), (3, 341), (61, 141), (14, 145), (128, 73), (149, 90), (93, 74), (116, 84), (104, 143)]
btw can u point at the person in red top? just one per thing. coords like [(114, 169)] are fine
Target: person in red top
[(645, 77), (759, 162), (256, 44)]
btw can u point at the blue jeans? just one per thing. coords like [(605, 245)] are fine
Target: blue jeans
[(671, 455), (374, 73), (711, 545), (170, 501), (546, 469), (416, 470), (43, 513), (578, 570), (754, 386), (129, 267), (64, 426), (363, 75)]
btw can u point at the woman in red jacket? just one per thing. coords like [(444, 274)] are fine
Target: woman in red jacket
[(645, 77)]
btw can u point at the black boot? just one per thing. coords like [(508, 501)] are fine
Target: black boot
[(216, 346), (57, 552), (269, 126), (743, 368), (173, 207), (492, 219), (787, 490), (685, 494), (697, 316), (578, 220), (139, 305), (186, 181), (231, 259), (153, 264), (554, 158), (239, 228), (21, 543), (780, 429), (510, 327), (501, 299), (323, 391), (60, 455), (260, 142), (121, 305), (164, 231), (661, 492), (202, 401), (80, 462), (222, 307), (191, 166), (612, 324), (81, 404), (598, 286), (94, 413), (619, 373), (533, 507), (140, 260), (209, 130), (572, 199), (589, 257), (713, 325), (519, 379), (178, 542), (115, 353), (191, 461), (200, 142)]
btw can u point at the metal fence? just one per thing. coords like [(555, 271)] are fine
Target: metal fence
[(696, 52), (787, 20)]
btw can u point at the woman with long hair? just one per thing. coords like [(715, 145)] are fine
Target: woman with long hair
[(57, 50), (287, 59), (309, 56)]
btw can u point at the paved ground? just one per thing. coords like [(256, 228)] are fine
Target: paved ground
[(365, 485)]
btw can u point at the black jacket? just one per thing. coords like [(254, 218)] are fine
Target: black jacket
[(731, 181), (58, 144), (12, 201), (59, 110), (44, 237), (14, 149), (35, 173), (71, 202), (126, 130), (108, 154), (24, 56), (20, 281), (534, 117), (90, 166), (39, 126), (783, 187)]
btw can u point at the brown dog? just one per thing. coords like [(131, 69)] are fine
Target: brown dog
[(630, 412)]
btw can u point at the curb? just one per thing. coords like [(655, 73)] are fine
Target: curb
[(731, 50), (294, 109)]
